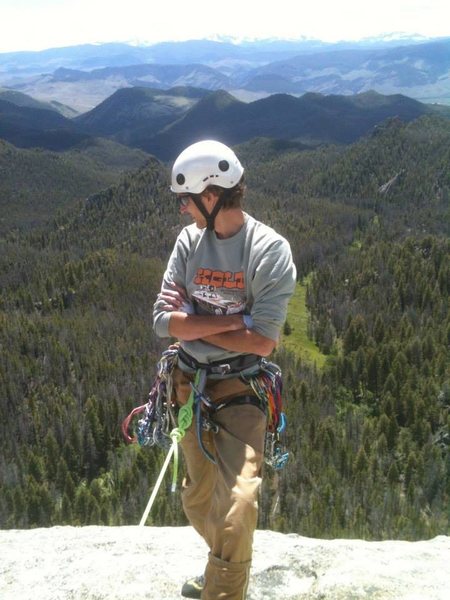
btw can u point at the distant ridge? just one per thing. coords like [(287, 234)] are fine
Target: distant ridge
[(157, 76), (162, 122), (129, 111), (83, 76), (311, 119), (21, 99), (404, 69)]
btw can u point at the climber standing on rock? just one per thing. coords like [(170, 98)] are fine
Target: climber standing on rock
[(224, 296)]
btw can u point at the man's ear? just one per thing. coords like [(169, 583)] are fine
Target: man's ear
[(210, 197)]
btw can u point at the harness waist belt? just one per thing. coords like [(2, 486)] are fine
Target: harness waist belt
[(241, 400), (232, 365)]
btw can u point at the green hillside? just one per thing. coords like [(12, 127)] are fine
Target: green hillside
[(35, 184), (368, 428), (295, 338), (31, 126)]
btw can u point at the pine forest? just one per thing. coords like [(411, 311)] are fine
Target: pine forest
[(368, 407)]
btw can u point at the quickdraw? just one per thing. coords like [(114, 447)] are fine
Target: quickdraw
[(268, 386), (159, 418), (275, 454), (176, 435)]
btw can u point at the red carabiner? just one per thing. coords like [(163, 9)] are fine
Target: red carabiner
[(126, 424)]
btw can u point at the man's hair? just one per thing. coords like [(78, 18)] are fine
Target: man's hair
[(232, 197)]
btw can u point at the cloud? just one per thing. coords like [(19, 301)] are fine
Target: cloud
[(38, 24)]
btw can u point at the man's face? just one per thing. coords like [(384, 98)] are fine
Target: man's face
[(188, 206)]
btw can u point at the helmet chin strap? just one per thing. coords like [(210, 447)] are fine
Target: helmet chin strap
[(210, 217)]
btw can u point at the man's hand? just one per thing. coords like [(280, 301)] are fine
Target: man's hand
[(185, 325), (176, 300)]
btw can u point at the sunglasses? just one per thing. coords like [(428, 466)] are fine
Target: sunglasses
[(183, 199)]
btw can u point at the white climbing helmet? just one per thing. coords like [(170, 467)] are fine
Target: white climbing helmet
[(205, 163)]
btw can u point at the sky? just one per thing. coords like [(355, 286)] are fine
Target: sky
[(40, 24)]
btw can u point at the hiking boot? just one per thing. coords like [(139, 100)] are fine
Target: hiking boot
[(192, 588)]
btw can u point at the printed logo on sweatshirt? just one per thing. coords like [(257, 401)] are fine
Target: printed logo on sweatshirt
[(220, 279), (207, 299)]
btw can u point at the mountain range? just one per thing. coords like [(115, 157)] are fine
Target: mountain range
[(167, 95), (204, 51), (162, 122), (312, 119), (82, 76)]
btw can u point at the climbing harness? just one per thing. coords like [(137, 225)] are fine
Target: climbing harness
[(267, 386), (161, 426), (233, 366)]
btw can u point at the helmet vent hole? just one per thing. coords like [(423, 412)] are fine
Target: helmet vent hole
[(181, 178), (224, 165)]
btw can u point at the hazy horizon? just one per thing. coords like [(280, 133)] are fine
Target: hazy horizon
[(44, 24)]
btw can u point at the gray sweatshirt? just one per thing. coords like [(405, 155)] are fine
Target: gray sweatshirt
[(251, 273)]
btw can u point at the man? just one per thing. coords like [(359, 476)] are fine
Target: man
[(224, 295)]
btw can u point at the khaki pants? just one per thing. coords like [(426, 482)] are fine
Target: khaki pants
[(221, 500)]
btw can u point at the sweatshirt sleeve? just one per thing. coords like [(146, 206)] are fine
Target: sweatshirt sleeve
[(272, 286), (175, 273)]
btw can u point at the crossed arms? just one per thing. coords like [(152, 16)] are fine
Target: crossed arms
[(225, 331)]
